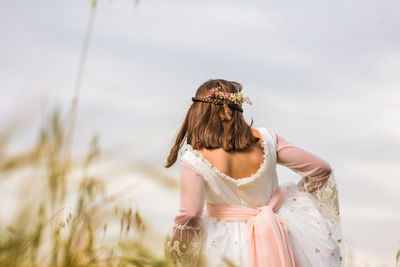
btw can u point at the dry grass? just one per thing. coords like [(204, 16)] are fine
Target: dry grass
[(46, 233)]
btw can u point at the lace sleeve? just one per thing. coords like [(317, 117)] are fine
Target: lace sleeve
[(182, 245), (318, 179)]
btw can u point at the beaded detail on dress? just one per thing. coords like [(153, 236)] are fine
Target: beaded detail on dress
[(183, 247), (327, 202)]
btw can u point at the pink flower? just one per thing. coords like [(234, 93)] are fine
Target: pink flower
[(231, 98)]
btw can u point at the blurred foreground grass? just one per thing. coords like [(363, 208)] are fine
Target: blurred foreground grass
[(45, 232)]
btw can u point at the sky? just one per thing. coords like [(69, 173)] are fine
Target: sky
[(323, 74)]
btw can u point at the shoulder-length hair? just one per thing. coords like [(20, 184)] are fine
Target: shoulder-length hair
[(209, 126)]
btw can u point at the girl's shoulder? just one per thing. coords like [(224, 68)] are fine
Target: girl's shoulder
[(268, 135), (190, 158)]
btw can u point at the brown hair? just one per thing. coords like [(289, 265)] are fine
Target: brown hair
[(213, 126)]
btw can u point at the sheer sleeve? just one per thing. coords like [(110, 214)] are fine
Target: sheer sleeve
[(318, 179), (182, 245), (314, 170)]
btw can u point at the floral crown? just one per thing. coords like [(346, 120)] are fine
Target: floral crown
[(217, 97)]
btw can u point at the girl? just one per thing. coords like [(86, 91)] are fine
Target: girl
[(250, 220)]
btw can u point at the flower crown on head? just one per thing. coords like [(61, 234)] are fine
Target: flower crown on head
[(216, 96)]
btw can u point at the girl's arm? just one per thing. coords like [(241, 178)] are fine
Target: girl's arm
[(191, 196), (314, 170), (183, 244)]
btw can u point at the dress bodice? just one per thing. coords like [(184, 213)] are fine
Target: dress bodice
[(253, 191)]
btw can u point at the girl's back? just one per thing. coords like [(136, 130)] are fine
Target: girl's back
[(236, 164)]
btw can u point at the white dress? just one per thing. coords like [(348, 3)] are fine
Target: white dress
[(312, 219)]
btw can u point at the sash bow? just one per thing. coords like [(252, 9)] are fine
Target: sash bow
[(267, 237)]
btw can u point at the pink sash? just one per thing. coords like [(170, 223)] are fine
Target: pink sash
[(267, 237)]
